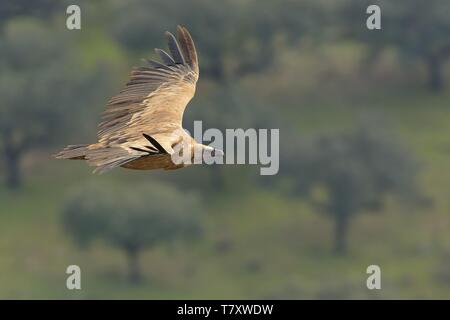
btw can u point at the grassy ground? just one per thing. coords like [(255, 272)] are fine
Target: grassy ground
[(258, 244)]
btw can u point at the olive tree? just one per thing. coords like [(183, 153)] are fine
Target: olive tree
[(40, 84), (233, 38), (131, 218), (350, 173), (417, 29), (38, 8)]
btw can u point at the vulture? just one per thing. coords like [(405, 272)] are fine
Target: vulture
[(141, 127)]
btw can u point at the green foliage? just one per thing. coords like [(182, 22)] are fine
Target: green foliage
[(132, 220), (357, 169), (138, 218), (417, 29), (234, 38), (37, 8), (209, 23), (31, 84), (41, 81), (349, 173)]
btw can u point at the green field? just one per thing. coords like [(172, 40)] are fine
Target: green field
[(257, 244)]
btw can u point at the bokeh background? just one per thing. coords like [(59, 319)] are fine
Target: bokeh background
[(364, 119)]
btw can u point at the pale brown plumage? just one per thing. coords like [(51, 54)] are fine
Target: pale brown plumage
[(143, 123)]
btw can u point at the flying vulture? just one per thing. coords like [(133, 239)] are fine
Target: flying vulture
[(141, 127)]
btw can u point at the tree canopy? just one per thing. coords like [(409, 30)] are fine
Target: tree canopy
[(348, 173), (133, 219)]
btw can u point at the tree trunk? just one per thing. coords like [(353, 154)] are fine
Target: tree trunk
[(12, 157), (341, 233), (134, 270), (435, 77)]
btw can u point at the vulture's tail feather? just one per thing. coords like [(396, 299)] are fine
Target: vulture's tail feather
[(107, 158), (73, 152), (103, 158)]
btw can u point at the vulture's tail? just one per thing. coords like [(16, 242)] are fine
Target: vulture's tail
[(73, 152), (103, 158)]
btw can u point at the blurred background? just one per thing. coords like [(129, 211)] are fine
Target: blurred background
[(364, 119)]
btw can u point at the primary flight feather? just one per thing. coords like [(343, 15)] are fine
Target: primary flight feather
[(142, 125)]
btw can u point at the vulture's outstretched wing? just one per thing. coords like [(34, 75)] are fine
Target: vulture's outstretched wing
[(155, 97)]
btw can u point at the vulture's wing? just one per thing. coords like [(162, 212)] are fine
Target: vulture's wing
[(155, 97)]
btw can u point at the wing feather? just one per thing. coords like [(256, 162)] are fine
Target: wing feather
[(174, 48), (154, 98), (165, 57), (188, 48)]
